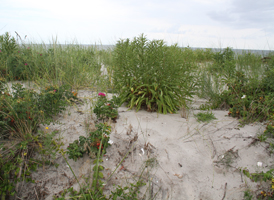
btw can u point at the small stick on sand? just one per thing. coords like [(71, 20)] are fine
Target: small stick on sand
[(167, 154), (214, 149), (241, 176), (224, 192), (132, 160), (36, 193), (151, 190)]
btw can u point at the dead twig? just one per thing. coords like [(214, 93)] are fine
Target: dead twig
[(167, 154), (224, 192), (36, 193), (214, 149), (130, 127)]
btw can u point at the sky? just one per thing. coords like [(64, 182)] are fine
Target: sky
[(239, 24)]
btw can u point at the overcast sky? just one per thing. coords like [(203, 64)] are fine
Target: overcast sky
[(240, 24)]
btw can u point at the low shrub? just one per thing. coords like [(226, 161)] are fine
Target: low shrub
[(97, 140), (105, 109), (21, 112), (248, 99)]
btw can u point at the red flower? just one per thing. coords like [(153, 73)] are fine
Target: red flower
[(26, 63), (101, 94), (101, 147)]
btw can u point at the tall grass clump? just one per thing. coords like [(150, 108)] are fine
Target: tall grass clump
[(251, 64), (152, 75), (53, 63), (214, 73)]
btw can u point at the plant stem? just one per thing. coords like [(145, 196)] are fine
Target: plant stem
[(62, 153)]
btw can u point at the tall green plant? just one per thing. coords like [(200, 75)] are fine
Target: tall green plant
[(152, 74), (8, 47)]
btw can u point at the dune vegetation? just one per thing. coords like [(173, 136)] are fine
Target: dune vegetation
[(143, 74)]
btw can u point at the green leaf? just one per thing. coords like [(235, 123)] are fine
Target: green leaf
[(101, 175)]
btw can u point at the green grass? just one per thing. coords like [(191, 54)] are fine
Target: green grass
[(205, 117)]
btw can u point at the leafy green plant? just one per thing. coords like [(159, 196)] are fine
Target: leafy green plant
[(152, 75), (16, 159), (269, 131), (127, 192), (268, 193), (26, 109), (76, 149), (205, 117), (54, 99), (21, 112), (249, 100), (105, 109), (99, 139), (247, 195)]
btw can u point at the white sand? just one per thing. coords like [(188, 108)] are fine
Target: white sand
[(192, 160)]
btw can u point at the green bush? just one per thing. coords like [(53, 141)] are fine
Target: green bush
[(97, 140), (249, 99), (54, 99), (152, 75), (105, 109), (21, 112), (224, 63)]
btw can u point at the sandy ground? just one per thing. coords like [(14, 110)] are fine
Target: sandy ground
[(185, 159)]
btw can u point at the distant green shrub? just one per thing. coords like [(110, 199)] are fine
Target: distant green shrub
[(224, 63)]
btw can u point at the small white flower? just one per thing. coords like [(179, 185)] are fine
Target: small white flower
[(259, 164), (67, 166), (223, 156), (110, 142), (243, 96)]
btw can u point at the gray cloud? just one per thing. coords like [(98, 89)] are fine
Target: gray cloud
[(241, 14)]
